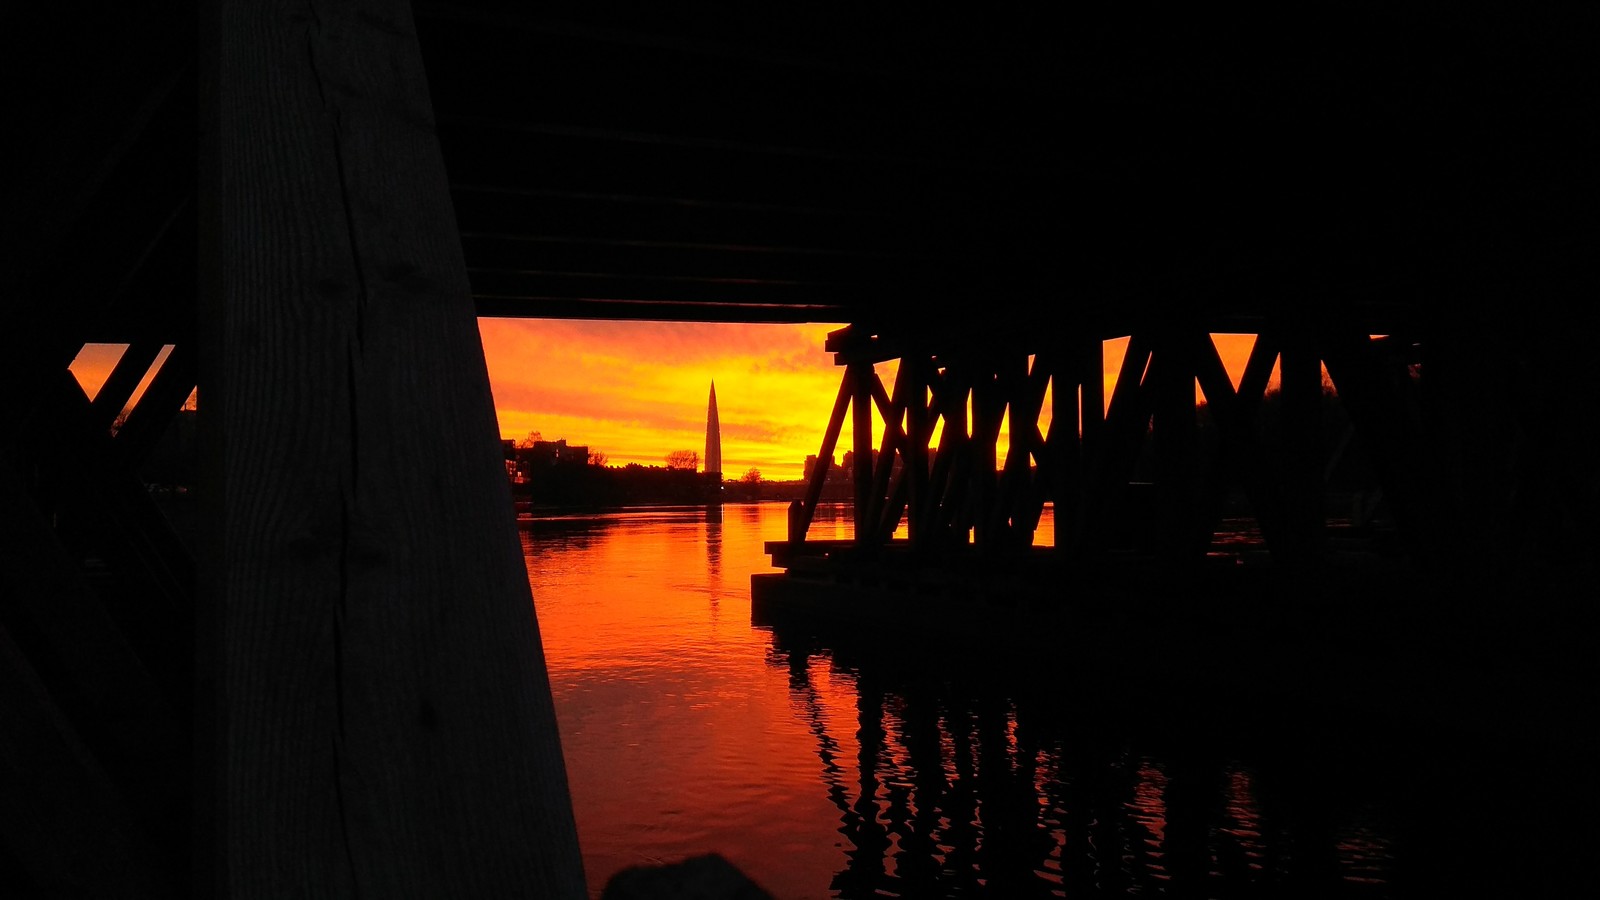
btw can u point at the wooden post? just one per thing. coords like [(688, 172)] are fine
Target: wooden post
[(380, 722), (1114, 448), (1377, 409), (953, 464), (1061, 441), (916, 447), (1078, 420), (988, 409), (861, 437), (886, 482), (1032, 489), (800, 521), (1238, 459), (123, 380), (157, 407), (1174, 434), (1303, 516)]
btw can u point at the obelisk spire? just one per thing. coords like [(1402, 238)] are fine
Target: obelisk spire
[(713, 436)]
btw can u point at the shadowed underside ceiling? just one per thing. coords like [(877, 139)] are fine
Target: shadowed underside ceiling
[(784, 164)]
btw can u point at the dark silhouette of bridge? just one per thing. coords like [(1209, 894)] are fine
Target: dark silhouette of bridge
[(312, 203)]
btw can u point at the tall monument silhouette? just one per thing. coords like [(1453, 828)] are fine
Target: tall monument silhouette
[(713, 439)]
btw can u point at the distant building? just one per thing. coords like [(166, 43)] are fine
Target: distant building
[(713, 458), (525, 461), (847, 468), (811, 465)]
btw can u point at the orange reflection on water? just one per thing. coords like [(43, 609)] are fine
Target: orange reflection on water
[(834, 767), (677, 734)]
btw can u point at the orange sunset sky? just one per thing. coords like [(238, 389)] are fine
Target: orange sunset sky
[(637, 391)]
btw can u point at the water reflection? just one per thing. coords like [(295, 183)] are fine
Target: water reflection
[(841, 763), (952, 783), (714, 557)]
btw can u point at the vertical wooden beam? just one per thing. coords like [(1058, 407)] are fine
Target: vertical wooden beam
[(1114, 449), (381, 723), (1019, 501), (1238, 458), (1061, 441), (916, 447), (1034, 488), (883, 471), (1174, 433), (949, 463), (1377, 409), (1453, 449), (1079, 420), (1091, 381), (989, 402), (891, 485), (1303, 517), (945, 407), (861, 375)]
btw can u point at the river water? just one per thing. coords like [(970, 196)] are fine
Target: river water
[(852, 767)]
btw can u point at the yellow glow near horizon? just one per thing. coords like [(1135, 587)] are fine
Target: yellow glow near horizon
[(93, 364), (637, 390)]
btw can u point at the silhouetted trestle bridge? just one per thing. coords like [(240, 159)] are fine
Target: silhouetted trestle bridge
[(1140, 487)]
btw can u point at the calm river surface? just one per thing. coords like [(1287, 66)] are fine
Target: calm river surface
[(825, 769)]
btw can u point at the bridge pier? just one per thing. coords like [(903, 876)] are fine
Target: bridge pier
[(1154, 474)]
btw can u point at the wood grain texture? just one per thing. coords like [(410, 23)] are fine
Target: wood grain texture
[(382, 724)]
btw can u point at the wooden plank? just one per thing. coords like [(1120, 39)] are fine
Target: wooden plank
[(956, 500), (1062, 444), (888, 488), (1018, 393), (1257, 372), (861, 437), (982, 481), (920, 425), (1239, 457), (951, 397), (125, 376), (1175, 436), (706, 290), (1106, 478), (151, 416), (799, 523), (1080, 407), (609, 217), (1378, 414), (381, 722), (1031, 489), (1300, 448), (665, 260)]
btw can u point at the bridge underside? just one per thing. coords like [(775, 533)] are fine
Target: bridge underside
[(299, 214)]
